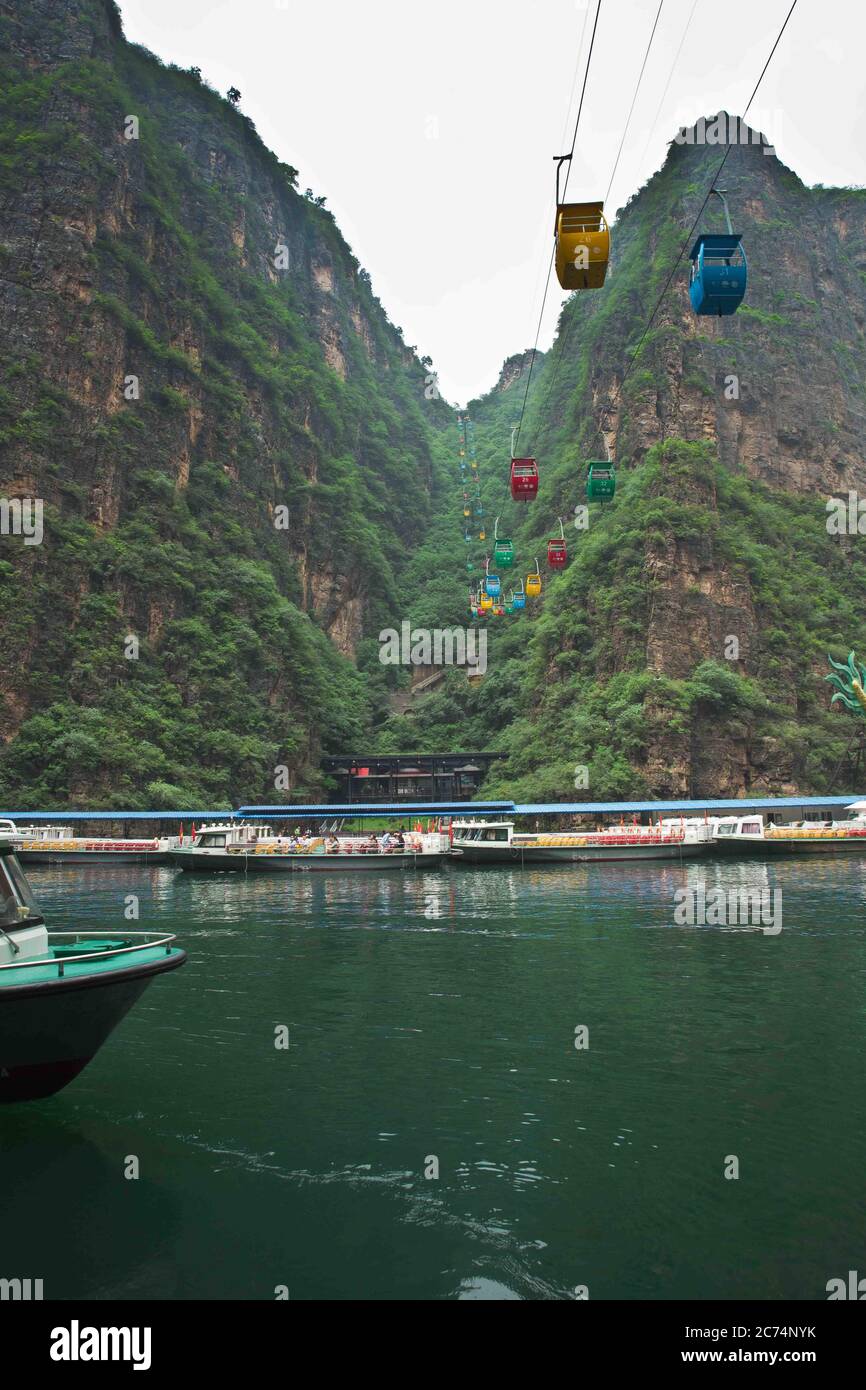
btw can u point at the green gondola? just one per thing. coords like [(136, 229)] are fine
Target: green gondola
[(503, 549), (600, 480)]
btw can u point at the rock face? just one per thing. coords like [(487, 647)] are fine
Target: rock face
[(243, 481), (792, 357), (682, 651), (198, 383), (515, 367)]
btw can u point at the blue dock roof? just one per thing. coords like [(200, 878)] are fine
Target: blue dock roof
[(666, 808), (62, 817), (481, 809)]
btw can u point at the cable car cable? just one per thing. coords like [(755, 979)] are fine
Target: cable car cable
[(616, 162), (676, 264), (553, 252), (563, 137), (633, 100), (668, 83)]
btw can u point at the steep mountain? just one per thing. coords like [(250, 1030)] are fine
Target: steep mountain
[(247, 475), (198, 382), (683, 649)]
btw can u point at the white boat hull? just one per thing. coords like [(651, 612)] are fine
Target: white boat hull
[(480, 853)]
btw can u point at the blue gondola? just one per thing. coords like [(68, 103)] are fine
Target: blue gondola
[(492, 585), (719, 272), (518, 597)]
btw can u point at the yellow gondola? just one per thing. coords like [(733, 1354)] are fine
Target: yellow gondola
[(582, 242), (533, 583), (485, 601)]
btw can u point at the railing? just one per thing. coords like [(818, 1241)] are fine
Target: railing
[(103, 846), (606, 838), (785, 832), (151, 941)]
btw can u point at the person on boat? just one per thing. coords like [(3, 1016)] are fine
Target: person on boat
[(385, 842), (401, 843), (332, 844), (370, 845)]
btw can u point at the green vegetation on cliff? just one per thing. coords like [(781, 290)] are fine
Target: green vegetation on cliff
[(242, 472), (626, 667), (218, 440)]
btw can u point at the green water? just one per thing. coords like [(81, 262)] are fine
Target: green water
[(451, 1035)]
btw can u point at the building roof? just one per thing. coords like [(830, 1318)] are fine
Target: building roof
[(362, 759)]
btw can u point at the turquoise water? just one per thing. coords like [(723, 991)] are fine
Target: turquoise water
[(434, 1017)]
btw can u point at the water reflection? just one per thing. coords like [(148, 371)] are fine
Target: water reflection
[(435, 1014)]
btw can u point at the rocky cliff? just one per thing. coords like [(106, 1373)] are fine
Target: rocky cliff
[(198, 383), (245, 475)]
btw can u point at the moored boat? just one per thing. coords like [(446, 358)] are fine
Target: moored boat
[(496, 842), (62, 992), (243, 848), (56, 844), (751, 836)]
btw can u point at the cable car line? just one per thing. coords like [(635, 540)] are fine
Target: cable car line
[(668, 83), (694, 225), (616, 162), (553, 252), (711, 290), (596, 488), (563, 137), (634, 99), (598, 484)]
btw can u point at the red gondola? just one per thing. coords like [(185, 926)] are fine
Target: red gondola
[(556, 550), (524, 479)]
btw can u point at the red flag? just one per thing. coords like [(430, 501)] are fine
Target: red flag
[(181, 832)]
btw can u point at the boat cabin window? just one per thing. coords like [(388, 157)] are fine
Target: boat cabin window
[(16, 899), (495, 833), (750, 827), (212, 841)]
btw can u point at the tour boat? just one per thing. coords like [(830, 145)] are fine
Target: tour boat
[(10, 833), (495, 842), (244, 848), (749, 835), (62, 992), (56, 844)]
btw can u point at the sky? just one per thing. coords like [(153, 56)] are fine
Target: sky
[(430, 127)]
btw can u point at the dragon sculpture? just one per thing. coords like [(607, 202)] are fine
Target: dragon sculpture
[(850, 685)]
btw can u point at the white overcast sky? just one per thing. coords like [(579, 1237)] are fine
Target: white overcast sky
[(430, 126)]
